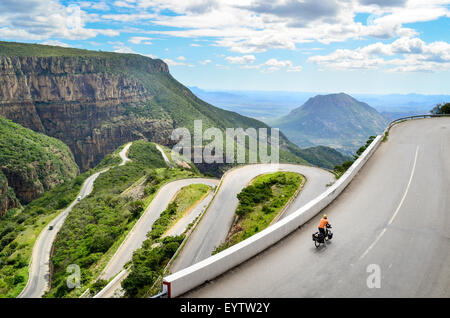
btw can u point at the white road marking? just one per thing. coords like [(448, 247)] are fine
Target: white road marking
[(397, 210), (407, 188)]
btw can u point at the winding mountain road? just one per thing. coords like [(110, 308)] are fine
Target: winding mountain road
[(138, 234), (392, 222), (216, 222), (39, 270), (213, 228)]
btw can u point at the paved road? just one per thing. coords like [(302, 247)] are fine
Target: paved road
[(139, 232), (163, 154), (181, 226), (214, 226), (395, 214), (38, 282), (123, 154)]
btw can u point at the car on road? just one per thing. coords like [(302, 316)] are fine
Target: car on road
[(79, 199), (50, 227)]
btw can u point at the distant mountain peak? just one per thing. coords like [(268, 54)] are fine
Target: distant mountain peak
[(335, 120)]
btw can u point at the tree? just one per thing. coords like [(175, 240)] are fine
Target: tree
[(136, 207), (441, 109)]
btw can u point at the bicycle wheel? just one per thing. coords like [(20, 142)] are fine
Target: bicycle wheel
[(316, 243)]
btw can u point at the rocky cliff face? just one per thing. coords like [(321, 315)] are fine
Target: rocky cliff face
[(96, 101), (7, 199), (79, 100), (30, 163)]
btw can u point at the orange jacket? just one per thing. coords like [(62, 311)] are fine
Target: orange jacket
[(322, 223)]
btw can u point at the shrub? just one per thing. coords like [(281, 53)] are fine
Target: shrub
[(136, 207), (441, 109), (18, 279)]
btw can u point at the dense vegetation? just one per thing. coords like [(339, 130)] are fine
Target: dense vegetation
[(186, 198), (149, 261), (98, 224), (441, 109), (33, 162), (20, 228), (171, 102), (340, 169), (260, 203), (324, 157)]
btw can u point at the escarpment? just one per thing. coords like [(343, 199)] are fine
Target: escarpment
[(81, 101), (30, 164), (96, 101)]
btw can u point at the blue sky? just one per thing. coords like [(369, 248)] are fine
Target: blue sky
[(353, 46)]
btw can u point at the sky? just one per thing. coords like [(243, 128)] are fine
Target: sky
[(352, 46)]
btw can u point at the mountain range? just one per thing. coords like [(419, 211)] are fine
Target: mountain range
[(95, 101), (263, 105)]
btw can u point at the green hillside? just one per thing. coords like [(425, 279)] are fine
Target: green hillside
[(157, 104), (97, 225), (336, 120), (31, 163), (322, 156)]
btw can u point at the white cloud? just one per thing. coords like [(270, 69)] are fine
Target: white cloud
[(273, 64), (121, 48), (102, 6), (347, 60), (409, 54), (242, 26), (139, 39), (55, 43), (131, 17), (247, 26), (44, 19), (295, 69), (181, 58), (244, 59), (276, 63), (124, 4), (204, 62), (171, 62)]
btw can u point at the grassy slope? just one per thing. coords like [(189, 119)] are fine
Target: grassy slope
[(171, 101), (20, 228), (186, 198), (322, 156), (40, 160), (260, 203), (44, 162), (150, 259), (98, 224)]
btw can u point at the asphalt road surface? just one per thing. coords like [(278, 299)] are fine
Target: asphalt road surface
[(139, 232), (215, 224), (38, 281), (124, 154), (163, 154), (391, 230)]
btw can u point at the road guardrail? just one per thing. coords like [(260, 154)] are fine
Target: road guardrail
[(195, 275)]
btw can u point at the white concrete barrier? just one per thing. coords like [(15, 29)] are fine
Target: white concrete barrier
[(197, 274)]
